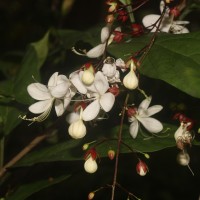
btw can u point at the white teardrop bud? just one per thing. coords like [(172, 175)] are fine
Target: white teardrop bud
[(88, 77), (90, 165), (77, 129), (130, 81)]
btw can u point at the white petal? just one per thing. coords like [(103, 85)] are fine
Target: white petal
[(38, 91), (151, 124), (59, 90), (66, 102), (75, 79), (150, 20), (59, 107), (91, 111), (144, 104), (72, 117), (104, 34), (40, 106), (96, 51), (153, 110), (53, 80), (101, 83), (133, 129), (107, 101)]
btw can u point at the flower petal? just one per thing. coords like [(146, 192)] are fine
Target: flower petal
[(75, 79), (151, 124), (59, 107), (153, 110), (104, 34), (91, 111), (40, 106), (53, 80), (133, 129), (38, 91), (107, 101), (144, 104), (58, 86), (96, 51), (101, 83)]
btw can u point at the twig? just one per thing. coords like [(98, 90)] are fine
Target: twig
[(22, 153), (118, 148)]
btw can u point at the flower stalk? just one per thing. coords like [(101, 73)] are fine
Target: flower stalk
[(118, 147)]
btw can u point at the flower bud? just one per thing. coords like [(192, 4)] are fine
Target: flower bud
[(90, 165), (88, 77), (130, 81), (111, 154), (91, 195), (77, 129), (141, 168), (85, 146), (183, 158), (109, 67)]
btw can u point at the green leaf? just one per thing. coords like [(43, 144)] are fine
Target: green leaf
[(9, 118), (72, 149), (25, 191), (31, 64), (174, 59)]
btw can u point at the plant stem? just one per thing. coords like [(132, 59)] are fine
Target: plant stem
[(22, 153), (130, 11), (1, 152), (118, 148)]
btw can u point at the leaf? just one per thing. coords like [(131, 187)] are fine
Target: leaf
[(31, 64), (9, 118), (25, 191), (72, 149), (174, 59)]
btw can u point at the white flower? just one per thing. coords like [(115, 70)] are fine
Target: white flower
[(142, 115), (90, 165), (167, 25), (58, 91), (102, 98), (109, 69)]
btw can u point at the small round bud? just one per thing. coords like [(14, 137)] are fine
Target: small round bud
[(90, 165), (91, 195), (111, 154), (77, 129), (85, 146), (183, 158), (141, 168), (147, 155)]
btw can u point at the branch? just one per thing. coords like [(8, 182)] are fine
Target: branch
[(22, 153), (118, 148)]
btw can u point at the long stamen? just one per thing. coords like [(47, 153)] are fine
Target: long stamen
[(41, 117)]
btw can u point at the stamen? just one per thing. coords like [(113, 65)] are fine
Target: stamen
[(39, 118), (76, 52)]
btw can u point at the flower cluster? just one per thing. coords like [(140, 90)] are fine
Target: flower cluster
[(95, 86)]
